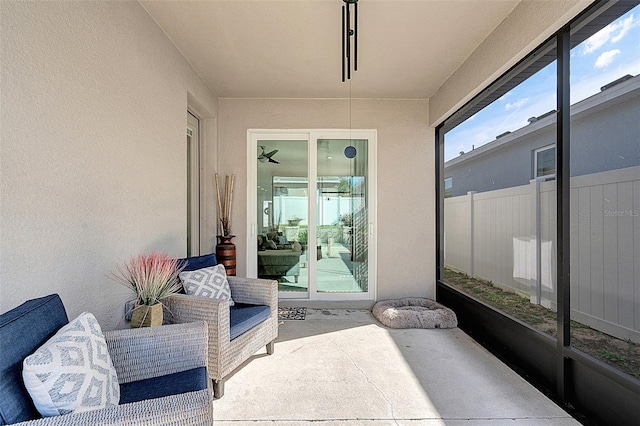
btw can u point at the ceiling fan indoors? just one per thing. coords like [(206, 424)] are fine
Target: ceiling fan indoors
[(265, 157)]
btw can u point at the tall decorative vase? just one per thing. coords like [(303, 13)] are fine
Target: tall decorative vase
[(226, 253), (147, 316)]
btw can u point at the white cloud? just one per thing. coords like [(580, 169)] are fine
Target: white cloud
[(605, 59), (598, 40), (625, 26), (614, 32), (517, 104), (590, 83)]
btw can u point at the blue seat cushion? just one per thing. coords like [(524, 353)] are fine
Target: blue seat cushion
[(172, 384), (22, 331), (243, 317)]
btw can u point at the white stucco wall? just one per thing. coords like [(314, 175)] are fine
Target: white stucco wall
[(93, 155), (93, 161), (406, 220)]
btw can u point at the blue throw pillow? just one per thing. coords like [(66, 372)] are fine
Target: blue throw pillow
[(198, 262), (22, 331)]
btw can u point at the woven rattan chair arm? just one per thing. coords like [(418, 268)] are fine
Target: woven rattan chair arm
[(147, 352), (254, 290), (181, 308), (192, 408), (215, 312)]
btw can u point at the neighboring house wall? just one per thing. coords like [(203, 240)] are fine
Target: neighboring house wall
[(93, 166), (510, 164), (604, 136), (406, 186), (607, 136)]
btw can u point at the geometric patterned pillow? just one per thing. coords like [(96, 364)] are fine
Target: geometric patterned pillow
[(72, 371), (208, 282)]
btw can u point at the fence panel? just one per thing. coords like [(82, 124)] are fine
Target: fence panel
[(547, 250), (606, 236), (458, 243), (508, 236)]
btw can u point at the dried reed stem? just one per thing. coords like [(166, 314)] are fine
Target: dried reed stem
[(233, 178), (219, 204), (226, 198), (224, 203)]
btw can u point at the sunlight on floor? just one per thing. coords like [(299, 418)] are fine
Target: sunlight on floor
[(342, 367)]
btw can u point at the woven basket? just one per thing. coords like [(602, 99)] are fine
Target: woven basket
[(146, 316)]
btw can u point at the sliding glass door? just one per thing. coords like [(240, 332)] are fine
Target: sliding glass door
[(283, 213), (342, 220), (311, 221)]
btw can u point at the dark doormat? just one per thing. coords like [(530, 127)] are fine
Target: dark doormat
[(291, 313)]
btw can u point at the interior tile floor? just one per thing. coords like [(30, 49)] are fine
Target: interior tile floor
[(341, 367), (334, 272)]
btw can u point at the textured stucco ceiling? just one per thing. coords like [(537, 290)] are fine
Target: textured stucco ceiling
[(291, 48)]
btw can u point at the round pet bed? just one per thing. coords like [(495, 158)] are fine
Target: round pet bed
[(414, 312)]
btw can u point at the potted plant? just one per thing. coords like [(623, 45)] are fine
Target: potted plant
[(151, 278), (225, 249), (303, 236)]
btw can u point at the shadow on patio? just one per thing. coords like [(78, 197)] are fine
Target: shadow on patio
[(342, 367)]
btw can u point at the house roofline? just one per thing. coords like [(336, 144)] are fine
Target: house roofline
[(620, 92)]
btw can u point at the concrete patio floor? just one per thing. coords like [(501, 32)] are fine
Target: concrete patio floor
[(341, 367)]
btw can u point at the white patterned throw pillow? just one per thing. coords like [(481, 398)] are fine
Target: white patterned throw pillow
[(208, 282), (72, 371)]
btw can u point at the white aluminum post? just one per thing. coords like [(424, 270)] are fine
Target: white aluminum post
[(471, 239)]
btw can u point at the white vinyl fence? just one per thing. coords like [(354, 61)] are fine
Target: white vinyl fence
[(507, 237)]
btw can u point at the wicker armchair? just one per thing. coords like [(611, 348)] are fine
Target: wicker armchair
[(137, 355), (143, 353), (226, 354)]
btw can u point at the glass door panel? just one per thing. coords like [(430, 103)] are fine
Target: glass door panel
[(283, 214), (193, 185), (342, 216), (312, 225)]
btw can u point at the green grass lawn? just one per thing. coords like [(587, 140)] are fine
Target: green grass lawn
[(621, 354)]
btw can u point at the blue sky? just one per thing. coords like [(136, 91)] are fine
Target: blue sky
[(608, 55)]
